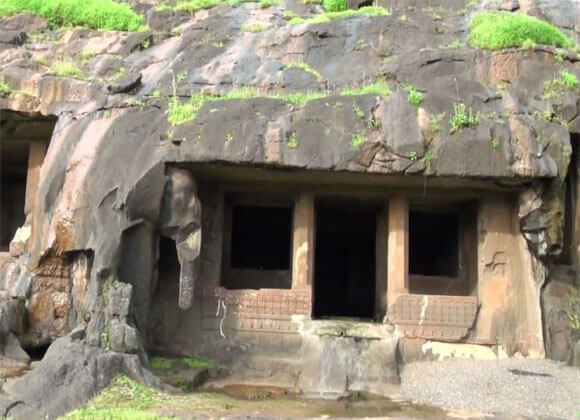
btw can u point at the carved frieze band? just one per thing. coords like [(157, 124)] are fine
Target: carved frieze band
[(258, 303), (434, 317)]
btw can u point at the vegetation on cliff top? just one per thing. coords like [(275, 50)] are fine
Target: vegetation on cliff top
[(494, 31), (95, 14)]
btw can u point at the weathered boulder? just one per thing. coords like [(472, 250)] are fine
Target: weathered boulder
[(69, 375)]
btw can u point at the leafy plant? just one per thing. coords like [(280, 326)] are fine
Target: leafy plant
[(413, 156), (494, 31), (66, 69), (292, 141), (415, 97), (356, 142), (229, 137), (428, 158), (335, 5), (4, 88), (358, 111), (96, 14), (436, 122), (494, 142), (462, 117)]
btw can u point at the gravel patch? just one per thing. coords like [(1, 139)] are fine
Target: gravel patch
[(520, 387)]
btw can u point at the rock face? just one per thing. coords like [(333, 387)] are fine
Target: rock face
[(112, 168)]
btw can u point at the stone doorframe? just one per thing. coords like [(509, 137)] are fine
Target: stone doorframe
[(426, 316), (36, 154)]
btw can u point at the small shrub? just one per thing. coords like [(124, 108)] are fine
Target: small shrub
[(462, 117), (494, 142), (494, 31), (95, 14), (413, 156), (415, 97), (356, 142), (335, 5), (65, 69), (4, 88)]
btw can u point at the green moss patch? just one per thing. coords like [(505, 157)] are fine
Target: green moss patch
[(161, 363), (494, 31), (95, 14)]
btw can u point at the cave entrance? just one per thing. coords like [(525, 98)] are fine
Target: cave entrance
[(344, 261), (258, 246), (23, 143)]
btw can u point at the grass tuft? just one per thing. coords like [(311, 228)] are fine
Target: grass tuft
[(494, 31), (268, 3), (198, 363), (377, 88), (329, 16), (192, 6), (305, 67), (559, 85), (254, 27), (161, 363), (66, 69), (95, 14)]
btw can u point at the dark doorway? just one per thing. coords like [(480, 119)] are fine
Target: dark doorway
[(23, 142), (344, 267), (261, 237), (433, 244), (257, 246)]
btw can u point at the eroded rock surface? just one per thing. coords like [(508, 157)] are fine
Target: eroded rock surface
[(118, 172)]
